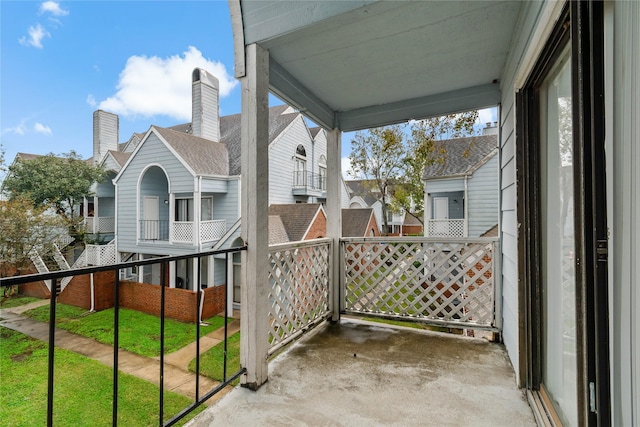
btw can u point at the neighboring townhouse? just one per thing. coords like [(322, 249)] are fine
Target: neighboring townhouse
[(462, 192), (362, 195), (178, 190), (359, 222)]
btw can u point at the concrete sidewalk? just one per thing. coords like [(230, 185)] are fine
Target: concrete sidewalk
[(176, 376)]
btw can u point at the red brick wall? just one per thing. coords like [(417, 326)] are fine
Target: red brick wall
[(409, 230), (78, 291), (373, 225), (180, 304), (36, 290), (318, 227)]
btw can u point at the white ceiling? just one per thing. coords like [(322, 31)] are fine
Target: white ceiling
[(358, 64)]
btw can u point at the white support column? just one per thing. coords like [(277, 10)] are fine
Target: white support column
[(334, 213), (255, 206)]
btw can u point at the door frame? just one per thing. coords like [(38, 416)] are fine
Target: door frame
[(582, 25)]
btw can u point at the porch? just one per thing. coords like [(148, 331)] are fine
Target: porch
[(356, 373), (185, 232)]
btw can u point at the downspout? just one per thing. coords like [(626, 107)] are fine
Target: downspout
[(93, 295)]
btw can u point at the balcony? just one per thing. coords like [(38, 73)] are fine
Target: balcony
[(100, 224), (182, 231), (307, 183), (446, 227), (355, 372)]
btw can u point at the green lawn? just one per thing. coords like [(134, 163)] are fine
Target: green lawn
[(139, 332), (16, 301), (212, 361), (82, 393)]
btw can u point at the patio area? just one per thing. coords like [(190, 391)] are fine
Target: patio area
[(358, 373)]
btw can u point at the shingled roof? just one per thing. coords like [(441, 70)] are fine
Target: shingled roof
[(230, 129), (296, 217), (203, 156), (120, 157), (277, 232), (355, 222), (363, 189), (463, 156)]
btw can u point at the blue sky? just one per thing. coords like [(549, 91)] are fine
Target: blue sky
[(60, 61)]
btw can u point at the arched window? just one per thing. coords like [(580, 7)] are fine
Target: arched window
[(300, 167)]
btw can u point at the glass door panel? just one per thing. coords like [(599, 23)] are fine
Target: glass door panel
[(559, 369)]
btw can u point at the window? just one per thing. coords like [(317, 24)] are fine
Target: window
[(206, 209), (322, 174), (184, 209), (300, 167)]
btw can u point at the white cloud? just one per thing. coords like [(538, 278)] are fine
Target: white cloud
[(36, 34), (346, 164), (20, 129), (53, 8), (151, 86), (40, 128), (488, 115)]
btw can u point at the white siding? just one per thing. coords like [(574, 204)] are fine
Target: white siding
[(281, 154), (623, 136), (483, 198)]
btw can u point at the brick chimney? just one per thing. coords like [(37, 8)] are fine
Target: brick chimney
[(105, 134), (205, 115)]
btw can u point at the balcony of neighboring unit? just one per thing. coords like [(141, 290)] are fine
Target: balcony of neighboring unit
[(307, 183), (182, 232), (446, 228), (100, 224)]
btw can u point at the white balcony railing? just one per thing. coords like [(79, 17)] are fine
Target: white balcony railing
[(100, 224), (449, 282), (446, 228), (299, 295), (210, 231), (100, 254)]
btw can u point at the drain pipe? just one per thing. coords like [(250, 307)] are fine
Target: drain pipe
[(93, 295)]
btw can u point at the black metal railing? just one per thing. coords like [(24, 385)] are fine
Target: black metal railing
[(154, 229), (55, 277)]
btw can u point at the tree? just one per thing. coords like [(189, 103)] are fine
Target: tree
[(58, 182), (377, 156), (25, 230), (423, 151), (392, 161)]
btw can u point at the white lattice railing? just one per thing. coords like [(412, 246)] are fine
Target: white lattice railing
[(100, 224), (101, 254), (212, 230), (446, 228), (182, 232), (441, 281), (299, 288)]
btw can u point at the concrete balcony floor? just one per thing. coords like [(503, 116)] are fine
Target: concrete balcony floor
[(355, 373)]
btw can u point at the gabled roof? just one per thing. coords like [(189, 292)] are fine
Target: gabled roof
[(230, 132), (355, 222), (315, 131), (463, 156), (119, 157), (230, 128), (361, 188), (203, 156), (277, 232), (296, 217)]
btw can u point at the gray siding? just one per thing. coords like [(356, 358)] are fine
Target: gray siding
[(225, 205), (152, 152), (456, 204), (483, 198), (445, 185)]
